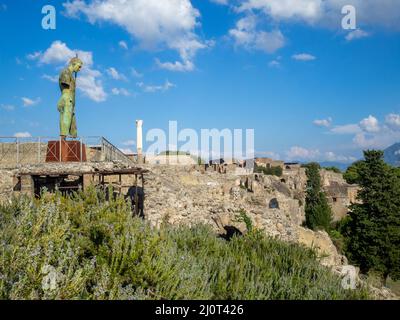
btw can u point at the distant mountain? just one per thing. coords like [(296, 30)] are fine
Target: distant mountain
[(392, 155)]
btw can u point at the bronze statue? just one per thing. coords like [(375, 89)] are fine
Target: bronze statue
[(66, 104)]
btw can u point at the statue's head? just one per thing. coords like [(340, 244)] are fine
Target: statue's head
[(76, 64)]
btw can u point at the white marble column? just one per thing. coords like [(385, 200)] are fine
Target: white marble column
[(139, 140)]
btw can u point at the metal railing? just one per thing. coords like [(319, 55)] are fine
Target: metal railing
[(112, 153), (18, 151)]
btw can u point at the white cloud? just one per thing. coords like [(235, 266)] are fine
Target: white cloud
[(274, 64), (7, 107), (302, 154), (382, 13), (308, 10), (370, 124), (88, 81), (50, 78), (269, 154), (176, 66), (187, 50), (346, 129), (120, 92), (385, 13), (136, 73), (113, 73), (380, 140), (393, 121), (59, 53), (303, 57), (331, 156), (22, 135), (248, 36), (91, 86), (152, 22), (315, 13), (154, 88), (323, 122), (32, 56), (30, 102), (129, 143), (357, 34), (123, 45), (299, 153), (369, 133)]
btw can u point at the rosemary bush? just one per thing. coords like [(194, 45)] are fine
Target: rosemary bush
[(86, 247)]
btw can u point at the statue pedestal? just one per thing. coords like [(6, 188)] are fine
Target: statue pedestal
[(65, 151)]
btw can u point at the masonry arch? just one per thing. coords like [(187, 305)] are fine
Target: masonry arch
[(273, 204)]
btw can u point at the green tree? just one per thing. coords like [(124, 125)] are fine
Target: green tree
[(352, 173), (373, 230), (271, 171), (318, 211), (333, 169)]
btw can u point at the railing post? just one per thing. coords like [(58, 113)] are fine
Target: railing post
[(60, 150)]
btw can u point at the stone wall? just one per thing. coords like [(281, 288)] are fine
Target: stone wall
[(6, 185), (181, 160), (339, 193), (184, 195), (28, 153)]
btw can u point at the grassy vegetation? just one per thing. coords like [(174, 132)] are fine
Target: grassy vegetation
[(272, 171), (333, 169), (84, 247)]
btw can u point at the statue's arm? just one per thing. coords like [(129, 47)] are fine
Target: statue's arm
[(65, 81), (65, 86)]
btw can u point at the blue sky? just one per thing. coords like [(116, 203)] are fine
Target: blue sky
[(287, 69)]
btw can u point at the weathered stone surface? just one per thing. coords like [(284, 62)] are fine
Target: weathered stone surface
[(184, 195), (323, 244), (6, 184), (216, 199)]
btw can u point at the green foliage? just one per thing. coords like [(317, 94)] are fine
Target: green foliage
[(333, 169), (352, 173), (317, 210), (243, 217), (373, 228), (338, 234), (85, 247), (311, 164), (272, 171)]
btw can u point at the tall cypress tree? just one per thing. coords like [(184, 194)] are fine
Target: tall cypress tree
[(373, 229), (318, 211)]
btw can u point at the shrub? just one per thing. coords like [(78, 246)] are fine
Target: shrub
[(272, 171), (373, 228), (333, 169), (317, 210), (85, 247)]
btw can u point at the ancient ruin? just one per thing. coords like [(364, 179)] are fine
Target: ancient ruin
[(173, 187)]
